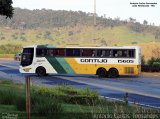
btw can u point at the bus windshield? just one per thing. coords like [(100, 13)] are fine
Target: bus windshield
[(27, 56)]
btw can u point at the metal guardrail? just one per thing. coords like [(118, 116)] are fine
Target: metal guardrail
[(130, 102)]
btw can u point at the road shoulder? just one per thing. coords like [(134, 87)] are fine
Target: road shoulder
[(151, 74)]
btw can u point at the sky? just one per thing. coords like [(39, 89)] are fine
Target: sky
[(111, 8)]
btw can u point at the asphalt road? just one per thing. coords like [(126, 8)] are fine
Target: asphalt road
[(143, 90)]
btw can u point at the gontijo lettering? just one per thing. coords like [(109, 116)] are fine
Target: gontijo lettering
[(94, 60)]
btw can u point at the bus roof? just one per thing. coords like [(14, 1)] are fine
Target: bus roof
[(52, 46)]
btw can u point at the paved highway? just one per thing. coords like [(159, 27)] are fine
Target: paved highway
[(144, 90)]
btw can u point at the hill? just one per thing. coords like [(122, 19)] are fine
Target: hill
[(73, 27)]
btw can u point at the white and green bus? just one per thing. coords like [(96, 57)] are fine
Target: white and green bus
[(101, 61)]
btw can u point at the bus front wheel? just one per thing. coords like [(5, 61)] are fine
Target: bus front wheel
[(113, 73), (101, 73), (41, 71)]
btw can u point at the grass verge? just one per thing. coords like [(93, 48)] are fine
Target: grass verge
[(58, 103)]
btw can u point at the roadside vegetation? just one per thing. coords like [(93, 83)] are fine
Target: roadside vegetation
[(9, 50), (62, 102), (151, 65)]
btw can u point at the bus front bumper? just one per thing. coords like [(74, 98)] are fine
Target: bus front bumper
[(25, 69)]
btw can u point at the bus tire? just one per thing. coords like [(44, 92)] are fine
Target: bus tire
[(41, 71), (101, 72), (113, 73)]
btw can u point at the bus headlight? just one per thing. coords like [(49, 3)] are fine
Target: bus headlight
[(27, 69)]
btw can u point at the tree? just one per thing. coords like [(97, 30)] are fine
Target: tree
[(6, 8), (132, 20), (103, 43), (145, 22), (157, 34), (151, 61), (137, 27), (143, 60)]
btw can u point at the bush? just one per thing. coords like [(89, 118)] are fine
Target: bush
[(69, 95), (4, 82), (150, 61), (70, 33), (143, 60), (134, 42), (45, 106), (21, 103), (7, 97), (10, 49), (137, 27), (40, 105), (156, 64), (82, 100), (153, 61), (103, 43)]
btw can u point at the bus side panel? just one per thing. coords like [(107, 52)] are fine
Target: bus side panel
[(44, 62), (81, 68), (56, 65), (124, 69), (65, 65), (38, 62), (60, 65)]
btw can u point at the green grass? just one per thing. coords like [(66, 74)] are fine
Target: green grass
[(7, 55), (8, 108), (73, 108), (43, 102), (102, 107), (121, 35), (11, 111), (9, 85)]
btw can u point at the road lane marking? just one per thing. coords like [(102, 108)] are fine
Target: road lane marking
[(12, 67), (113, 87)]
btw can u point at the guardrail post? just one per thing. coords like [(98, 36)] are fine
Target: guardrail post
[(27, 85), (126, 98)]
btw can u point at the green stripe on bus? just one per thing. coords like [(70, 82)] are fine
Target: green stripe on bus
[(56, 65), (65, 65)]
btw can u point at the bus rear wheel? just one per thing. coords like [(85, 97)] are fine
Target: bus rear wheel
[(113, 73), (101, 73), (41, 71)]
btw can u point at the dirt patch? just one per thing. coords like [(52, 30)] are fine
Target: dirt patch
[(151, 74), (6, 58), (148, 49)]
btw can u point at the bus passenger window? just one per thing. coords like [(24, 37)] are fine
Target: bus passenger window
[(60, 52), (50, 52), (41, 52), (77, 52), (73, 52), (115, 54), (56, 52), (104, 53), (131, 53), (88, 53), (69, 52), (124, 53), (119, 53), (110, 53), (94, 53)]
